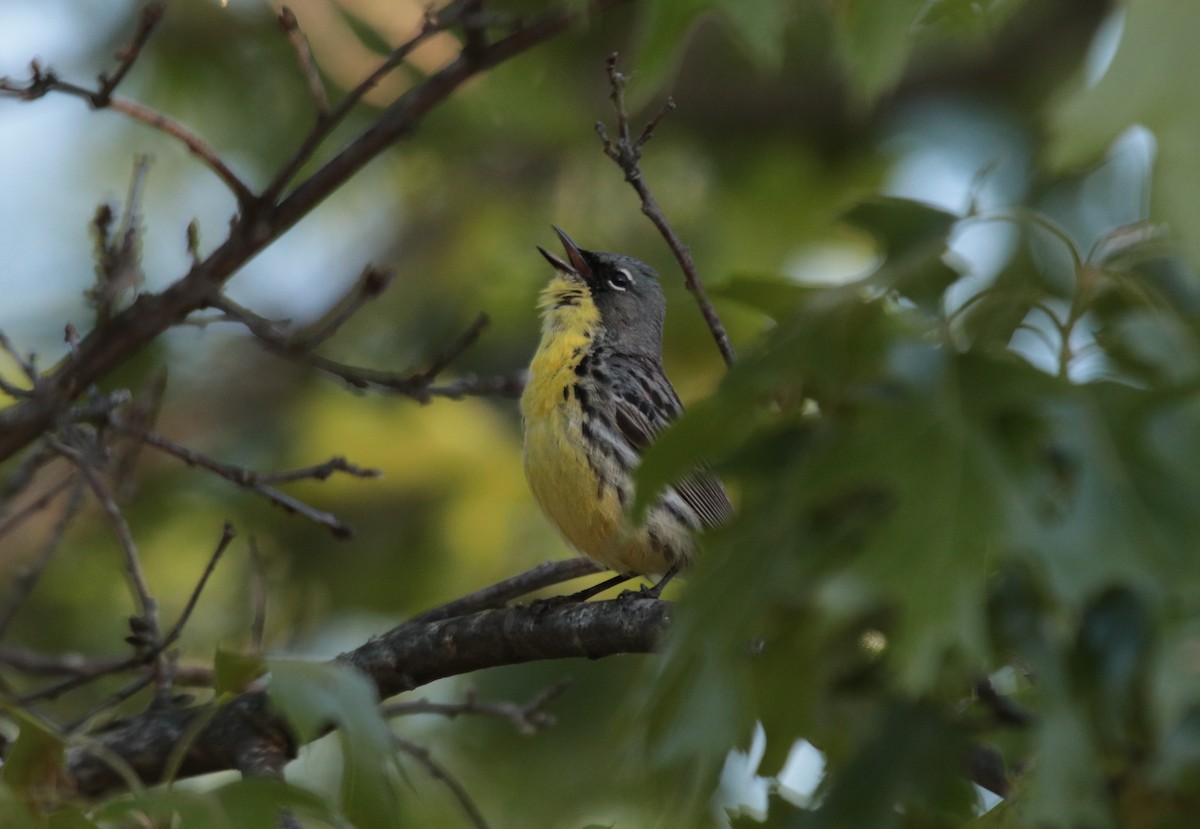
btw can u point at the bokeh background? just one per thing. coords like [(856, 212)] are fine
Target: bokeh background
[(769, 146)]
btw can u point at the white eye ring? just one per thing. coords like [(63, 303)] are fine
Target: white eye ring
[(628, 277)]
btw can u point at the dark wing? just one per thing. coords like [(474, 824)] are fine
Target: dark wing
[(645, 405)]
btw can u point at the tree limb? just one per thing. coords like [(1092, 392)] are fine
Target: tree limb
[(402, 659)]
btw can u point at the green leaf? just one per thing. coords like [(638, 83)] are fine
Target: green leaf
[(909, 769), (758, 25), (242, 804), (1110, 666), (901, 226), (318, 696), (774, 296), (234, 671), (913, 236), (35, 760), (876, 39), (1149, 82), (367, 34)]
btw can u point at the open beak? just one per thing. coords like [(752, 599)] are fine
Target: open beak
[(577, 264)]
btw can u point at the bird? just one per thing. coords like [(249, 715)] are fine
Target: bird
[(595, 398)]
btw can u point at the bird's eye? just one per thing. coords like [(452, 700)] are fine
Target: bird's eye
[(620, 280)]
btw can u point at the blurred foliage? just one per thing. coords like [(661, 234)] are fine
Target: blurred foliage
[(970, 451)]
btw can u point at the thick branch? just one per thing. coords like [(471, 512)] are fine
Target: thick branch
[(405, 658)]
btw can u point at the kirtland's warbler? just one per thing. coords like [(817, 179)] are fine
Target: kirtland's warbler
[(596, 397)]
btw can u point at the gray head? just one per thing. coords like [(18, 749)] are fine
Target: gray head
[(625, 290)]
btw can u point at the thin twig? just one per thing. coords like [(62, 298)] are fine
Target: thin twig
[(254, 481), (258, 593), (74, 664), (35, 506), (442, 360), (626, 153), (439, 772), (227, 535), (42, 83), (27, 579), (151, 16), (317, 472), (371, 284), (195, 144), (416, 385), (36, 663), (308, 66), (546, 574), (25, 362), (504, 385), (431, 26), (527, 719), (147, 627), (113, 699)]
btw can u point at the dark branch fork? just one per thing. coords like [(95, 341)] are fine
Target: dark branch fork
[(626, 152), (261, 218)]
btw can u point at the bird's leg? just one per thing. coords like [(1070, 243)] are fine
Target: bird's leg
[(655, 591), (595, 589)]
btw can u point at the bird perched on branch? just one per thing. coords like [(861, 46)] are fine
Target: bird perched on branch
[(596, 397)]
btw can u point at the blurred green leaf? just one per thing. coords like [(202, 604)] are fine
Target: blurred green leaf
[(242, 804), (908, 774), (876, 39), (318, 696), (913, 237), (233, 671), (1109, 666), (758, 25), (774, 296), (367, 34), (35, 760), (1149, 82)]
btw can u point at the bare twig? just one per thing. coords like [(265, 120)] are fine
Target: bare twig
[(146, 630), (527, 719), (369, 285), (195, 144), (73, 664), (312, 76), (227, 535), (504, 385), (258, 593), (416, 385), (148, 20), (543, 575), (44, 82), (439, 772), (257, 482), (149, 651), (27, 579), (318, 472), (36, 663), (118, 254), (112, 700), (35, 506), (443, 360), (430, 26), (25, 362), (627, 153)]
